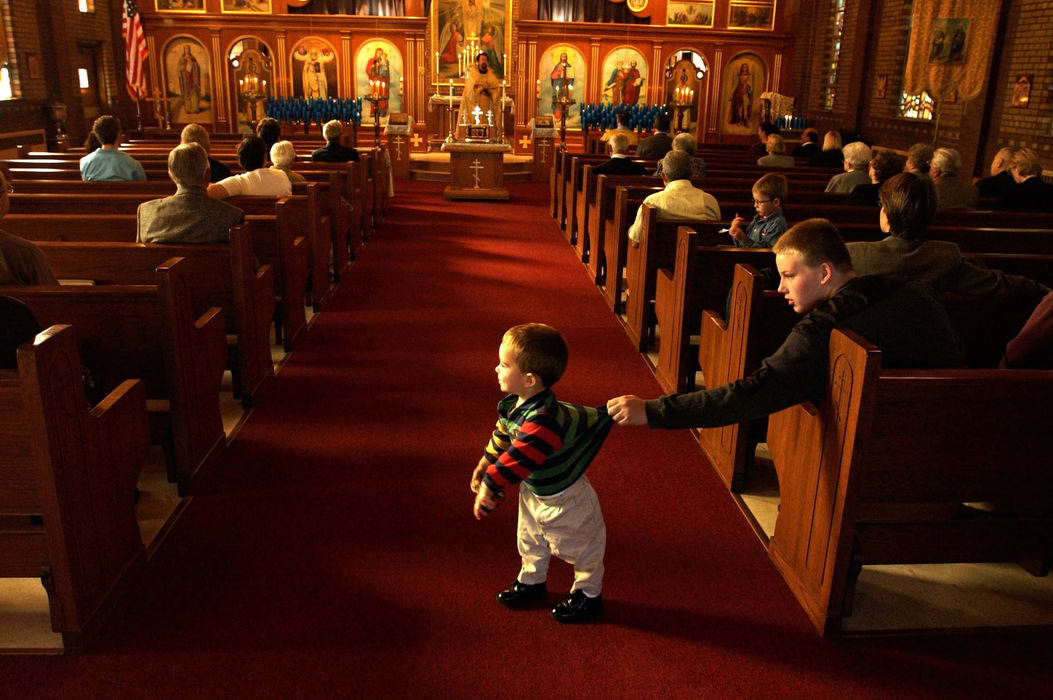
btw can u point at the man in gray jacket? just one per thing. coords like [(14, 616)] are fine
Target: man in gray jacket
[(190, 215)]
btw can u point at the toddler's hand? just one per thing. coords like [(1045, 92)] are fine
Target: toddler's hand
[(477, 478), (485, 501)]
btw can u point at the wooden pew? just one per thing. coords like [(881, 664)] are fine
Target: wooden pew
[(151, 333), (276, 242), (881, 442), (699, 279), (74, 467), (219, 275)]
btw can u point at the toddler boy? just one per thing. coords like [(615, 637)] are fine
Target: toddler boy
[(545, 444)]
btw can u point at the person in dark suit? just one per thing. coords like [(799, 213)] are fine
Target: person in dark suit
[(660, 142), (333, 152), (195, 133), (190, 215), (883, 165), (809, 144), (1031, 192), (620, 163), (1000, 178), (908, 207)]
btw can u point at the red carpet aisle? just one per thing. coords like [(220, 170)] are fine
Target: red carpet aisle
[(336, 554)]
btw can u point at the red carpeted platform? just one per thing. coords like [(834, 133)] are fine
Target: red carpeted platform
[(336, 553)]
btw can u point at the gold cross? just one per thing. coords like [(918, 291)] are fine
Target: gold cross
[(398, 146), (524, 142), (543, 145), (416, 140), (476, 166)]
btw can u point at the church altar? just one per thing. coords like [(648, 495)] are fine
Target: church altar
[(476, 170)]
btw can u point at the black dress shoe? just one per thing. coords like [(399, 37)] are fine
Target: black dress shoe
[(577, 607), (519, 594)]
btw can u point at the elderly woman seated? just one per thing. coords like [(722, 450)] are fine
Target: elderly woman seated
[(283, 155), (857, 158), (686, 143), (776, 157)]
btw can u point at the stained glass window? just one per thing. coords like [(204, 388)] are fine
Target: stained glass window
[(837, 28), (8, 79), (919, 106)]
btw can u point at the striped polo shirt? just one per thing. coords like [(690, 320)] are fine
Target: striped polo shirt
[(545, 443)]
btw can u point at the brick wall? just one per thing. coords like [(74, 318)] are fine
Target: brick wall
[(1028, 51), (27, 112)]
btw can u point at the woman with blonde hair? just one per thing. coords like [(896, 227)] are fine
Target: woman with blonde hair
[(831, 155)]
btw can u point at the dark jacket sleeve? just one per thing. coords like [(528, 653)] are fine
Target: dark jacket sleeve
[(795, 373)]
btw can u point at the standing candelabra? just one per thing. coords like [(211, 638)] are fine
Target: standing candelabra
[(564, 100), (683, 98)]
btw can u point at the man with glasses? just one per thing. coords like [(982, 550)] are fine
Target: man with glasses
[(21, 262)]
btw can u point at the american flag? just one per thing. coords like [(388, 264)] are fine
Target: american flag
[(134, 49)]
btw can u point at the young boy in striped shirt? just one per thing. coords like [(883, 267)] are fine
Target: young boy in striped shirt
[(545, 444)]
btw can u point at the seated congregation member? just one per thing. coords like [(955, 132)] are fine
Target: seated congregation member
[(686, 143), (660, 142), (333, 152), (1032, 348), (760, 148), (91, 143), (190, 215), (905, 320), (283, 155), (776, 157), (108, 163), (883, 165), (680, 199), (620, 163), (21, 261), (256, 180), (831, 155), (809, 144), (621, 126), (857, 160), (951, 193), (1031, 192), (1000, 179), (908, 207), (919, 159), (270, 130), (195, 133), (769, 193)]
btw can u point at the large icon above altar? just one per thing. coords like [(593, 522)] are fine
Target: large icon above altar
[(462, 29)]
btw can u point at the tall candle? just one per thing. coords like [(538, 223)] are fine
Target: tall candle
[(436, 64)]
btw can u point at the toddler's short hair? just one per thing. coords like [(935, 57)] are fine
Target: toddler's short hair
[(772, 186), (539, 350)]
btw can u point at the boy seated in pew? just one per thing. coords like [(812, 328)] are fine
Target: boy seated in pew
[(190, 215), (908, 208), (769, 193), (905, 320), (108, 162), (21, 262)]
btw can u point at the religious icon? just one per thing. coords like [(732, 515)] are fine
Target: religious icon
[(180, 5), (247, 6), (948, 40), (751, 15), (693, 14), (1021, 91), (187, 81), (562, 71), (562, 79), (253, 74), (742, 97), (881, 86), (626, 71), (461, 29), (744, 81), (316, 71), (379, 71)]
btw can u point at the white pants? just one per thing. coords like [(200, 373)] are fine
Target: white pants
[(568, 525)]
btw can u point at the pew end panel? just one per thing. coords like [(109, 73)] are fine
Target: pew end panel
[(79, 468), (878, 473)]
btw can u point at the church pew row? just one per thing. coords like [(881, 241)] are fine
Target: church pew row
[(219, 276), (855, 471), (150, 332), (74, 467), (316, 212), (275, 242)]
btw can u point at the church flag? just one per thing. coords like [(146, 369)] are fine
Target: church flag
[(134, 50)]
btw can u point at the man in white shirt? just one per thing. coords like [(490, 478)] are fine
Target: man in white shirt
[(680, 199), (256, 180)]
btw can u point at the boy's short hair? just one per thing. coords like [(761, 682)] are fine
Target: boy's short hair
[(772, 186), (816, 241), (107, 128), (269, 130), (539, 350), (252, 151), (910, 204)]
